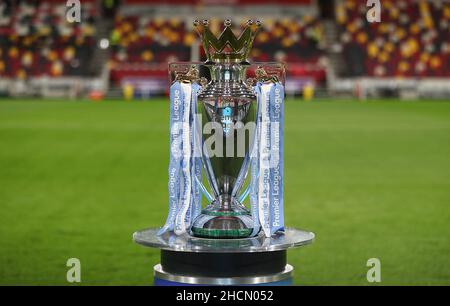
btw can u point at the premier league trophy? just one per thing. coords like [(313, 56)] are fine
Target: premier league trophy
[(226, 129)]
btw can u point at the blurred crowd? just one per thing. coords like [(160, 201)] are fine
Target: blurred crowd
[(36, 39), (413, 38), (141, 39), (290, 40)]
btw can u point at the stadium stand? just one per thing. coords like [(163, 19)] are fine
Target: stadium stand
[(143, 46), (142, 40), (331, 47), (139, 39), (413, 39), (36, 39)]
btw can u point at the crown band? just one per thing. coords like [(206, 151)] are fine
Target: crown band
[(227, 47)]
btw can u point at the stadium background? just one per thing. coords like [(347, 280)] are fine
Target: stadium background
[(84, 133)]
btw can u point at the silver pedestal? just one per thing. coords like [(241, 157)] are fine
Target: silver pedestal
[(188, 260)]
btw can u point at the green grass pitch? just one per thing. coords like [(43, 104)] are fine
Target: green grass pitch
[(371, 179)]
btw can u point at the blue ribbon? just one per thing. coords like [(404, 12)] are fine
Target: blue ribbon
[(276, 105), (196, 160), (176, 120), (254, 166)]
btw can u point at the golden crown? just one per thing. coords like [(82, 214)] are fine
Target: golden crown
[(227, 47)]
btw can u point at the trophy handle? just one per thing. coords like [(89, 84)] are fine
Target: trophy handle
[(245, 194), (206, 163), (204, 190)]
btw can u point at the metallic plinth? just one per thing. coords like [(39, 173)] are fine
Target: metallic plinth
[(185, 243), (189, 260), (284, 275)]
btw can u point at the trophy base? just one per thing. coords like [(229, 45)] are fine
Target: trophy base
[(219, 269), (223, 224), (188, 260)]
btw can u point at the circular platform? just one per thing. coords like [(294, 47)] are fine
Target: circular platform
[(291, 238), (175, 279)]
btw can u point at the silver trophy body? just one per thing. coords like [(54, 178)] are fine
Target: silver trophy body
[(228, 105)]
